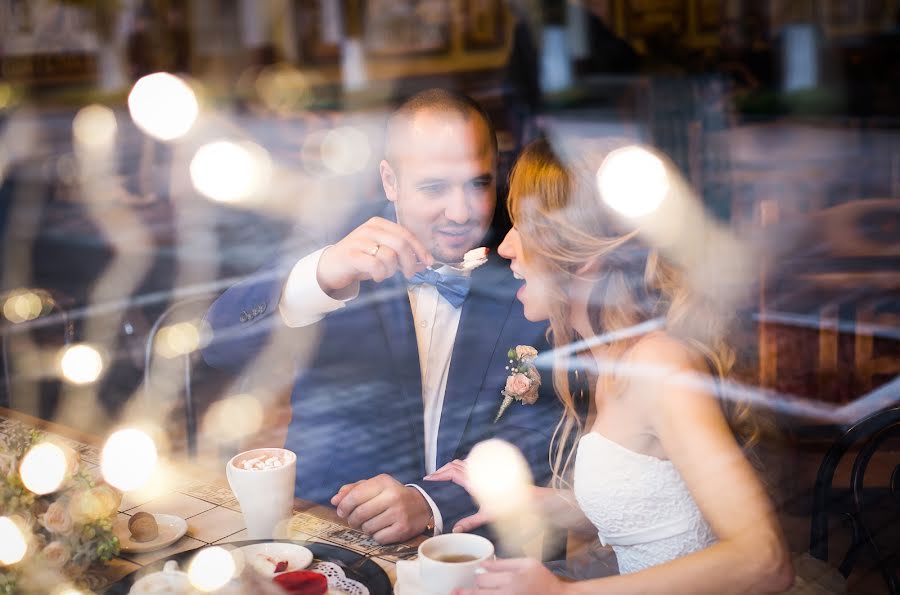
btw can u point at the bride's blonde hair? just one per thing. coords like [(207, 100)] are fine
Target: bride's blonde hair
[(564, 226)]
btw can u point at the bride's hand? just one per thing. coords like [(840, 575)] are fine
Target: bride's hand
[(454, 471), (519, 576)]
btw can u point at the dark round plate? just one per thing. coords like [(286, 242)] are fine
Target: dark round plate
[(368, 573)]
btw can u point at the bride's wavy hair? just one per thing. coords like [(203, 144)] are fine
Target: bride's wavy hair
[(564, 225)]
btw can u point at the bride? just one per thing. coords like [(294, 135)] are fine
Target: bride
[(658, 468)]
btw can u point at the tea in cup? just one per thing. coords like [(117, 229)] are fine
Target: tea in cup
[(452, 561)]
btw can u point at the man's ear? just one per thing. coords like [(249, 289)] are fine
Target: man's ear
[(389, 180)]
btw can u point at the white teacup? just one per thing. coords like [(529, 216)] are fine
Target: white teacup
[(266, 495), (451, 561)]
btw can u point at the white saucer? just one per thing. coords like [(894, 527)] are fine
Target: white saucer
[(171, 529)]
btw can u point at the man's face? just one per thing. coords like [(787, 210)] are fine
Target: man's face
[(441, 178)]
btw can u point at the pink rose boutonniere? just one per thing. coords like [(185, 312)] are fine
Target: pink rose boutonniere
[(523, 381)]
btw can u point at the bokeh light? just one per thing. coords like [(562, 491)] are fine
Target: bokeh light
[(12, 542), (6, 95), (81, 363), (234, 418), (177, 339), (22, 306), (499, 475), (229, 172), (283, 89), (633, 181), (345, 150), (94, 126), (128, 459), (44, 468), (211, 569), (163, 106)]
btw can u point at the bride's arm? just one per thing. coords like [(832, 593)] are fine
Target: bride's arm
[(751, 555)]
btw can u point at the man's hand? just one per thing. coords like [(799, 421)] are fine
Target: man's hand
[(375, 250), (383, 508)]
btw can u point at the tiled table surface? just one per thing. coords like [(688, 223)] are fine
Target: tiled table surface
[(212, 513)]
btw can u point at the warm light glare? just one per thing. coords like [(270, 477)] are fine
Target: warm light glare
[(81, 364), (5, 95), (345, 150), (128, 459), (44, 468), (283, 88), (230, 172), (94, 126), (163, 106), (178, 339), (633, 181), (211, 569), (12, 543), (498, 475), (234, 418), (22, 307)]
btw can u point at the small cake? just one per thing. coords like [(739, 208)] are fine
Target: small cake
[(303, 582), (143, 527), (474, 258)]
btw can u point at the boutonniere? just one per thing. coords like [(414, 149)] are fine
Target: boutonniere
[(523, 381)]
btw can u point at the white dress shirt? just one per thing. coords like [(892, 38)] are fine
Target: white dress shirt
[(303, 302)]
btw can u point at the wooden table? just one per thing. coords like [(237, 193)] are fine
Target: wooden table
[(206, 502)]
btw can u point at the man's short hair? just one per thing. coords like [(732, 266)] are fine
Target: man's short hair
[(438, 100)]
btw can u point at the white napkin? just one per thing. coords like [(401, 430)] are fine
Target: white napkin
[(408, 579)]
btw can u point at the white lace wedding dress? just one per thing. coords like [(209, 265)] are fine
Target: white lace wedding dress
[(638, 503)]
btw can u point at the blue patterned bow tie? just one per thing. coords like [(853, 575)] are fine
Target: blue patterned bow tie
[(454, 288)]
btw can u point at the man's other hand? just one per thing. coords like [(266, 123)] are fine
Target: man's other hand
[(375, 250), (384, 508)]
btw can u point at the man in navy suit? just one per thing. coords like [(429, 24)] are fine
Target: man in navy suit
[(409, 361)]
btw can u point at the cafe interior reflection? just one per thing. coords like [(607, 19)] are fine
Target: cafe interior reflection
[(154, 153)]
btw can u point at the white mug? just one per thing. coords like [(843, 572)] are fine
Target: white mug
[(452, 561), (266, 495)]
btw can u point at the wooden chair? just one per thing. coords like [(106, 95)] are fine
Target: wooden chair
[(866, 509)]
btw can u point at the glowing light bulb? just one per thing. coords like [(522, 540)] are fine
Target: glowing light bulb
[(43, 468), (94, 126), (230, 172), (81, 364), (633, 181), (128, 459), (12, 543), (163, 106), (211, 569)]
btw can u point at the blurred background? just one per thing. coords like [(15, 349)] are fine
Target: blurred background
[(126, 208)]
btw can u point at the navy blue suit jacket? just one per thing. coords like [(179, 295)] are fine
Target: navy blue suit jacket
[(357, 402)]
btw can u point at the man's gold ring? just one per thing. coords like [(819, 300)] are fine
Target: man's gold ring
[(374, 250)]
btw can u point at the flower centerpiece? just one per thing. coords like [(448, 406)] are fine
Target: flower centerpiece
[(523, 382), (65, 531)]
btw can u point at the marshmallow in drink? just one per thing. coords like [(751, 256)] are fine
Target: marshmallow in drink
[(261, 463)]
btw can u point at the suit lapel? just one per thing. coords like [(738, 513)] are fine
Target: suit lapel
[(392, 304), (483, 316)]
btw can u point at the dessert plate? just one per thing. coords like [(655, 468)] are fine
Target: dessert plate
[(171, 529)]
